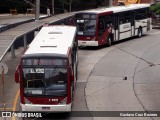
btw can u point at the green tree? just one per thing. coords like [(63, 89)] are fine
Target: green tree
[(69, 3), (156, 8)]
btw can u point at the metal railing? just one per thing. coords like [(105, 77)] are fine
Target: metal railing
[(23, 36)]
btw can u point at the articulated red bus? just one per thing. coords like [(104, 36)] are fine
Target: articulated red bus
[(48, 70), (106, 25)]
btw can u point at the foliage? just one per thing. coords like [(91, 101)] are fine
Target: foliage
[(67, 2), (156, 8)]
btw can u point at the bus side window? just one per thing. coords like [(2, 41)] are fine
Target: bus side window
[(127, 16), (108, 24), (108, 21), (141, 14), (100, 25), (124, 17), (121, 18)]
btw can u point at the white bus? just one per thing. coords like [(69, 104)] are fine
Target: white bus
[(106, 25), (48, 70)]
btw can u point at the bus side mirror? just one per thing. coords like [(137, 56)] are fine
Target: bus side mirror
[(17, 74)]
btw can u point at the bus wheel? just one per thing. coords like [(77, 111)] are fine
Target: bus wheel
[(140, 32), (109, 41)]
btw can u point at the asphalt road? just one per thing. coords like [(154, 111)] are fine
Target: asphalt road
[(123, 77), (135, 60)]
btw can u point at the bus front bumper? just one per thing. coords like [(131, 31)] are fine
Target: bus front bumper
[(87, 43), (43, 108)]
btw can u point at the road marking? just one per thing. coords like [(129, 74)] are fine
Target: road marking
[(15, 102)]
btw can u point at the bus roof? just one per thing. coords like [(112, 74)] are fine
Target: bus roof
[(52, 40), (116, 9)]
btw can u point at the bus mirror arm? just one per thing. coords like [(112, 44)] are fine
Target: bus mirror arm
[(17, 74)]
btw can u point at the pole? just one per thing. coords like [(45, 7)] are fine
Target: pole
[(110, 2), (70, 5), (52, 7), (37, 9), (63, 6)]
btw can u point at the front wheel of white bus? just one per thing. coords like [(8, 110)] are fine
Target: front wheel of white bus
[(140, 32)]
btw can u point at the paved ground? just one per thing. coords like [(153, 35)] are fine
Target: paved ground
[(6, 19), (140, 92)]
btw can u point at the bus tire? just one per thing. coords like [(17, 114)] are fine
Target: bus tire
[(109, 41), (140, 32)]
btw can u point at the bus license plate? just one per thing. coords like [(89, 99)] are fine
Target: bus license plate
[(45, 108)]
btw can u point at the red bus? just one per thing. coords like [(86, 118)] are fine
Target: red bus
[(48, 70), (106, 25)]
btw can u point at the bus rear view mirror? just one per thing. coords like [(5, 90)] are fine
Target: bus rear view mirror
[(17, 74)]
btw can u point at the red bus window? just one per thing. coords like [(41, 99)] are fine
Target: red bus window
[(101, 25)]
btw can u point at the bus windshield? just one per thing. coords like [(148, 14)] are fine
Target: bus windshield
[(44, 80), (86, 27)]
